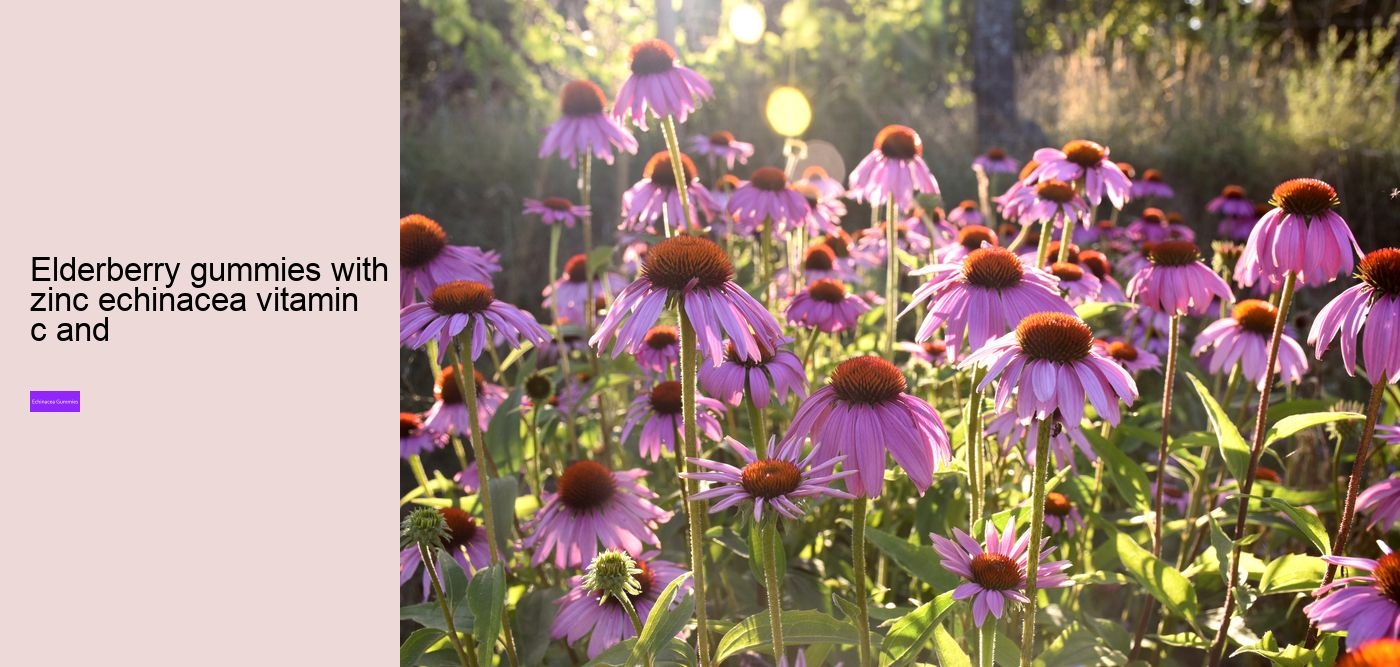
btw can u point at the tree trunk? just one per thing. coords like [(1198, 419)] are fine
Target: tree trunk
[(994, 71)]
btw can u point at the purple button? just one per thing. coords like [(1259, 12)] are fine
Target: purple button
[(55, 401)]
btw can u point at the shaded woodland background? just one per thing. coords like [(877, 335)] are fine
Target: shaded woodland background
[(1208, 91)]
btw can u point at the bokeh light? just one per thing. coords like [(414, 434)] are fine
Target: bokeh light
[(788, 111), (746, 21)]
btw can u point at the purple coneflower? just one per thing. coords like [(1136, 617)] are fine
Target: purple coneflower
[(658, 412), (426, 261), (983, 296), (1079, 286), (818, 262), (1061, 514), (825, 305), (1382, 501), (996, 572), (553, 210), (966, 213), (584, 613), (1054, 202), (1369, 610), (572, 290), (720, 193), (659, 84), (656, 199), (1389, 434), (970, 237), (1097, 263), (1301, 234), (825, 213), (1011, 431), (453, 307), (1177, 282), (413, 438), (1232, 203), (722, 145), (697, 274), (1151, 185), (780, 481), (583, 127), (766, 198), (1012, 202), (894, 170), (465, 543), (1243, 338), (448, 415), (830, 188), (864, 412), (1155, 226), (779, 372), (909, 237), (1374, 305), (1051, 357), (1128, 356), (995, 161), (932, 352), (594, 505), (1089, 161), (660, 350)]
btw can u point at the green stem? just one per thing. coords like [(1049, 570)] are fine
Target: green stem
[(1042, 251), (468, 388), (1173, 341), (1358, 473), (1042, 462), (585, 192), (428, 562), (987, 643), (555, 231), (689, 443), (975, 457), (631, 610), (1066, 237), (773, 583), (861, 504), (415, 462), (673, 147), (1217, 649), (891, 278)]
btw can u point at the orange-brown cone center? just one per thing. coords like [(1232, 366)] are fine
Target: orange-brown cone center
[(1057, 504), (662, 174), (586, 485), (770, 478), (1084, 153), (661, 337), (1054, 190), (582, 98), (461, 297), (770, 179), (666, 398), (899, 142), (973, 236), (652, 56), (995, 572), (675, 262), (1055, 337), (420, 240), (1305, 196), (1381, 270), (1174, 253), (869, 380), (1255, 316), (827, 290)]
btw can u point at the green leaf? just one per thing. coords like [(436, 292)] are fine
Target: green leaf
[(755, 546), (486, 596), (502, 435), (1185, 640), (916, 560), (674, 652), (418, 644), (503, 491), (533, 615), (665, 621), (799, 627), (847, 607), (1292, 573), (1128, 477), (911, 632), (1290, 425), (1223, 548), (1161, 580), (1092, 309), (1295, 655), (946, 646), (1233, 448), (1307, 522)]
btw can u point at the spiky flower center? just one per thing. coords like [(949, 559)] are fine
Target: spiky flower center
[(827, 290), (675, 262), (868, 380), (586, 485), (420, 240), (1054, 190), (993, 268), (663, 175), (935, 348), (1174, 253), (557, 204), (769, 179), (819, 257), (661, 337), (1154, 216), (1057, 504), (808, 192), (1387, 574), (973, 236), (899, 142), (1266, 475), (967, 205), (1056, 337), (577, 268), (1305, 196), (449, 392), (409, 424), (765, 355), (1054, 251), (461, 525), (1084, 153), (582, 98), (1026, 169), (1122, 351), (1152, 176), (538, 387), (1255, 316), (995, 153), (1381, 270), (666, 398), (1096, 262), (1067, 271), (726, 183), (839, 242), (461, 297), (721, 138), (770, 478), (652, 56), (646, 581), (1232, 192), (1126, 168), (995, 572)]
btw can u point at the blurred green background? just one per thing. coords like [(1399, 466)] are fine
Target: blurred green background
[(1210, 92)]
